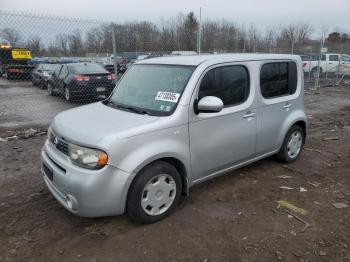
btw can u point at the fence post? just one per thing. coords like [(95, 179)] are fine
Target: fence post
[(114, 51)]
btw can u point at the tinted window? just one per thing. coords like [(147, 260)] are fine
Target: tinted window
[(64, 71), (345, 58), (229, 83), (87, 68), (333, 58), (57, 70), (278, 79)]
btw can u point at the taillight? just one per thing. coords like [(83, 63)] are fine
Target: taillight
[(110, 77), (81, 78), (304, 64)]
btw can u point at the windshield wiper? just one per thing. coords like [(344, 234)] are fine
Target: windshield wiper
[(130, 108)]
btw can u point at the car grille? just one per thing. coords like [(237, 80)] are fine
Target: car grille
[(59, 143)]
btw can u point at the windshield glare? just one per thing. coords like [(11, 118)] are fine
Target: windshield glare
[(153, 88)]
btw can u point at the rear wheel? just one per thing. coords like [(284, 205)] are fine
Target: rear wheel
[(50, 89), (292, 145), (155, 193)]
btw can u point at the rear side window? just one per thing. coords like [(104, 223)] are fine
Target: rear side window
[(229, 83), (278, 79), (333, 58)]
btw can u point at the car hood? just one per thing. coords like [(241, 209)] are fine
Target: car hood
[(97, 124)]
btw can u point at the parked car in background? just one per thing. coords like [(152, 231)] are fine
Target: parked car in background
[(329, 63), (143, 148), (109, 65), (78, 80), (42, 73)]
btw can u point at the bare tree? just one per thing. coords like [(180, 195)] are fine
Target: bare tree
[(34, 44), (75, 43), (291, 33), (11, 35)]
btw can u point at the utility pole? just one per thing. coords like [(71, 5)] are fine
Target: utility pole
[(199, 35), (114, 50)]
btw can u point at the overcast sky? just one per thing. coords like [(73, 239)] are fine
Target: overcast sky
[(335, 14)]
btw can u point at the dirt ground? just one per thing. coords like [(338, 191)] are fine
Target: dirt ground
[(231, 218)]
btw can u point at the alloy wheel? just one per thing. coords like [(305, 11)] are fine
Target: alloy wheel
[(294, 145)]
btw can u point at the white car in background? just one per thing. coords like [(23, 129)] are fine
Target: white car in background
[(328, 64)]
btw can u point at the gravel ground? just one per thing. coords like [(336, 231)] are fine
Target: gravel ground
[(231, 218)]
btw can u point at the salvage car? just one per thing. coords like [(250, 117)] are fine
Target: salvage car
[(80, 80), (42, 73), (170, 124)]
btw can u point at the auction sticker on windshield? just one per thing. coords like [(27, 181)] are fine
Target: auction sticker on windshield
[(167, 96)]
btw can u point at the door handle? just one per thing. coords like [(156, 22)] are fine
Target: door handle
[(287, 106), (249, 115)]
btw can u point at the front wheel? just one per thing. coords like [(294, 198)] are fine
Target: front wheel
[(292, 145), (155, 193), (68, 94)]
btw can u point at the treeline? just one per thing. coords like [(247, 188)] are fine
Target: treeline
[(176, 33)]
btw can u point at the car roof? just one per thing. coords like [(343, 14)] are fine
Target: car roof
[(195, 60)]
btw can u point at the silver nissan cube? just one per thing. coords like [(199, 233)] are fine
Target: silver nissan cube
[(171, 123)]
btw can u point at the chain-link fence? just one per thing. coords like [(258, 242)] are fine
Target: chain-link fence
[(49, 64)]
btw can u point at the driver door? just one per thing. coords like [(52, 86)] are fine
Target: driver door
[(221, 140)]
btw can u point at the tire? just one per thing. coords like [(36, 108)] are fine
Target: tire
[(153, 180), (68, 95), (292, 145), (50, 90), (8, 76)]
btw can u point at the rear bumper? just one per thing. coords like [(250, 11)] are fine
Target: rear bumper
[(87, 193), (91, 90)]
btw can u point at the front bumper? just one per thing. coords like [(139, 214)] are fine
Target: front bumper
[(87, 193)]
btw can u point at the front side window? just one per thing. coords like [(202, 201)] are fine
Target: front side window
[(57, 71), (278, 79), (151, 89), (229, 83), (63, 72)]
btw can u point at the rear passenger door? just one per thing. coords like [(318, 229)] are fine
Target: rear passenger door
[(223, 139), (278, 83)]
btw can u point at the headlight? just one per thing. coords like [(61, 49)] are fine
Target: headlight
[(87, 157)]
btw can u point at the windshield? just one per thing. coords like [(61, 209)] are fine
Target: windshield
[(155, 89)]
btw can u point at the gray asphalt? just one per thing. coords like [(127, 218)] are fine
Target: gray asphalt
[(23, 105)]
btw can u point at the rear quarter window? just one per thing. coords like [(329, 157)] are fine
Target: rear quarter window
[(278, 79)]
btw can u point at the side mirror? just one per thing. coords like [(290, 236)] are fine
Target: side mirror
[(210, 104)]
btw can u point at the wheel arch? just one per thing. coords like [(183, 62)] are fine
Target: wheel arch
[(297, 118), (179, 166)]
